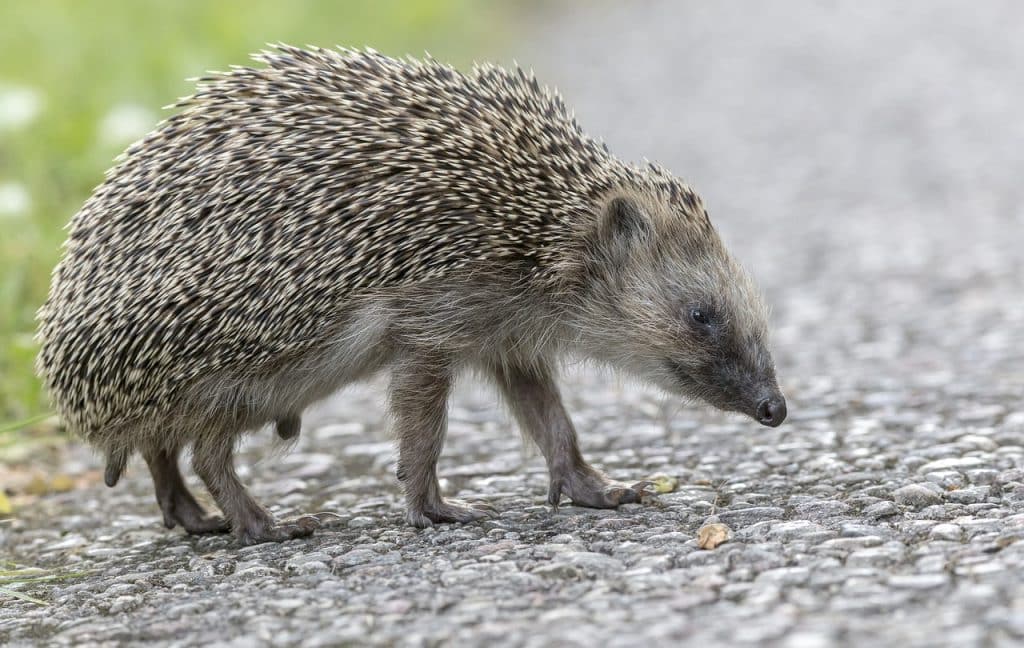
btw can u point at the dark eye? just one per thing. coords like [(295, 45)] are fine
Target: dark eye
[(699, 316)]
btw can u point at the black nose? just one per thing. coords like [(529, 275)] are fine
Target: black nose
[(771, 411)]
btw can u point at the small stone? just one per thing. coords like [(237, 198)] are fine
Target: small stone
[(857, 477), (946, 531), (799, 530), (354, 557), (846, 544), (871, 557), (558, 571), (916, 496), (822, 509), (808, 639), (785, 576), (593, 563), (255, 572), (855, 530), (982, 476), (312, 567), (124, 603), (461, 577), (979, 441), (881, 510), (977, 526), (959, 463), (946, 478), (361, 522), (287, 603), (70, 542), (918, 581), (746, 516), (297, 562), (973, 495)]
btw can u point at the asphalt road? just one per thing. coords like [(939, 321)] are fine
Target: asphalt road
[(864, 159)]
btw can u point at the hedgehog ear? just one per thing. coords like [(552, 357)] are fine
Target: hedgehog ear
[(623, 224)]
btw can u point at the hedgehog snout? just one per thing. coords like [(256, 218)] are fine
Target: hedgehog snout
[(771, 411)]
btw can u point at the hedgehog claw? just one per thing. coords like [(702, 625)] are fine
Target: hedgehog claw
[(177, 504), (181, 508), (588, 487), (555, 494), (300, 527), (450, 510)]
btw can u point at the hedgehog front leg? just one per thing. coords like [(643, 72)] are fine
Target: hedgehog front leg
[(176, 502), (419, 404), (534, 400), (213, 459)]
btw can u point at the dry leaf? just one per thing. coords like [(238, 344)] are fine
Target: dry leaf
[(663, 483), (711, 535), (37, 485), (5, 504), (61, 483)]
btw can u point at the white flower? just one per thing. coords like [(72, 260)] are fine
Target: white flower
[(18, 106), (126, 123), (14, 199)]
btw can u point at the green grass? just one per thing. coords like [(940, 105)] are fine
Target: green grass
[(13, 578), (81, 60)]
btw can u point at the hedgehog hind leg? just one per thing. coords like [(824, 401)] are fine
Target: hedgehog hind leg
[(176, 502), (213, 460)]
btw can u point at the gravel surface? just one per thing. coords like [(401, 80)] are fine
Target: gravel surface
[(864, 160)]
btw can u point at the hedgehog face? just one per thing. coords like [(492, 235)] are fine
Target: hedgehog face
[(672, 307)]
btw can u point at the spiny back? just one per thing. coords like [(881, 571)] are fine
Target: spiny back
[(233, 234)]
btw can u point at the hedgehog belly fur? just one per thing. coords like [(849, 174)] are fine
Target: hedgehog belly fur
[(246, 399)]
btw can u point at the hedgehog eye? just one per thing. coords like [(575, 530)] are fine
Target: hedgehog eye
[(699, 316)]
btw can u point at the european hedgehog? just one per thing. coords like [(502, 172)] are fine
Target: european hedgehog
[(302, 225)]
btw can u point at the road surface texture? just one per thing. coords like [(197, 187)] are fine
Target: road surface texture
[(865, 161)]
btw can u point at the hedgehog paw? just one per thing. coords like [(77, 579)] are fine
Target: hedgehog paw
[(206, 524), (586, 486), (300, 527), (179, 507), (448, 510)]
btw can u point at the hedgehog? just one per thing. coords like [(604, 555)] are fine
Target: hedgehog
[(330, 214)]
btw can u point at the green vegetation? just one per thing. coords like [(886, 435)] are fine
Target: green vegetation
[(80, 80), (13, 578)]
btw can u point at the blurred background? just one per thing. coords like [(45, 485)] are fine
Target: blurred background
[(79, 81)]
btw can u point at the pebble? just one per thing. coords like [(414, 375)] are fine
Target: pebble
[(881, 510), (946, 532), (745, 516), (918, 581), (916, 496), (958, 463)]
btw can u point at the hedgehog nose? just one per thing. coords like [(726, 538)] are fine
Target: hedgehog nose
[(772, 411)]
